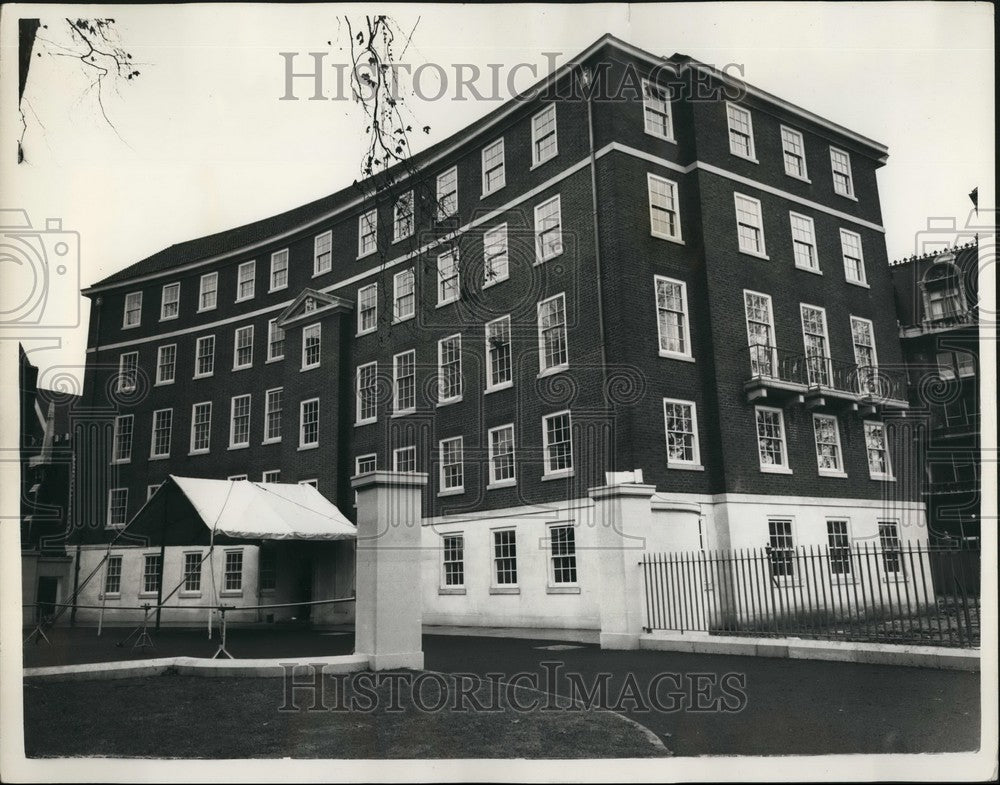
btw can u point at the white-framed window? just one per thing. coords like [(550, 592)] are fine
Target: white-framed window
[(208, 292), (269, 560), (750, 225), (740, 132), (192, 572), (404, 459), (672, 317), (781, 553), (447, 193), (274, 475), (657, 117), (451, 472), (501, 456), (854, 258), (966, 362), (760, 333), (499, 353), (828, 455), (364, 464), (367, 232), (664, 215), (771, 449), (548, 229), (246, 279), (232, 580), (804, 242), (838, 539), (201, 427), (132, 316), (840, 164), (166, 364), (553, 353), (204, 356), (493, 167), (159, 443), (368, 308), (404, 298), (367, 393), (505, 557), (562, 554), (113, 577), (322, 253), (117, 507), (877, 447), (543, 136), (313, 483), (170, 302), (279, 270), (243, 347), (557, 444), (453, 559), (311, 346), (680, 420), (450, 369), (496, 261), (275, 341), (121, 451), (236, 477), (404, 382), (447, 276), (239, 421), (865, 356), (402, 217), (793, 151), (128, 372), (152, 573), (309, 423), (817, 345), (151, 489), (892, 554), (945, 366), (273, 402)]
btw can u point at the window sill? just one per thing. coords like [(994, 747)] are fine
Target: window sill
[(318, 273), (775, 470), (505, 590), (744, 157), (121, 462), (686, 467), (304, 447), (368, 332), (675, 356), (832, 474), (852, 197), (562, 589), (204, 376), (552, 371), (366, 254), (206, 310), (192, 595), (303, 369), (544, 161), (484, 194), (798, 177), (198, 452), (442, 304), (668, 238), (755, 254), (147, 595), (493, 282), (862, 284), (116, 596), (499, 387), (882, 478), (452, 492), (558, 475), (243, 299), (231, 593), (272, 441), (401, 238), (163, 384), (501, 484), (813, 270), (159, 457), (449, 401), (451, 590), (239, 446), (404, 413), (274, 360), (661, 137), (359, 423), (277, 289), (545, 259), (399, 320), (242, 368)]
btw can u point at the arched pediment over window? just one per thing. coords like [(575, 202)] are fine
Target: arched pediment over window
[(943, 290)]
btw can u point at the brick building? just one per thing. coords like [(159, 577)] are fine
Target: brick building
[(640, 265)]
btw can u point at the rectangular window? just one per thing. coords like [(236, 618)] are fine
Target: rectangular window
[(311, 347), (246, 281), (367, 391), (233, 577), (496, 263), (402, 217), (272, 414), (309, 423), (275, 341), (122, 449), (656, 110), (450, 369), (552, 341), (204, 364), (865, 357), (447, 193), (548, 229), (272, 476), (192, 572), (201, 427), (322, 253), (128, 372), (367, 232), (505, 557), (404, 382), (499, 371), (876, 444), (804, 242), (208, 292), (453, 555), (664, 218), (946, 366), (793, 150), (152, 570), (243, 347), (268, 568), (279, 270), (672, 317), (163, 420), (854, 259), (151, 489), (557, 444), (888, 536), (839, 547), (404, 300), (562, 542), (543, 136), (781, 548), (493, 167), (818, 365), (501, 455), (760, 333), (404, 459), (239, 421), (133, 310), (828, 456), (750, 225), (681, 425), (447, 275), (364, 464), (170, 302), (368, 308), (965, 360), (840, 163), (740, 131), (113, 576), (771, 439), (452, 474), (117, 507), (166, 364)]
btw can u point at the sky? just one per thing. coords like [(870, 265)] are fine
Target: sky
[(200, 142)]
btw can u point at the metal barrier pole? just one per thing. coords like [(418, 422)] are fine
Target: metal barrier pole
[(222, 645)]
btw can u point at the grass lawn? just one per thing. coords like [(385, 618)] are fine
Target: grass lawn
[(175, 716)]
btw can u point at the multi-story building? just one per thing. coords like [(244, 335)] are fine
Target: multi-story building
[(642, 264)]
